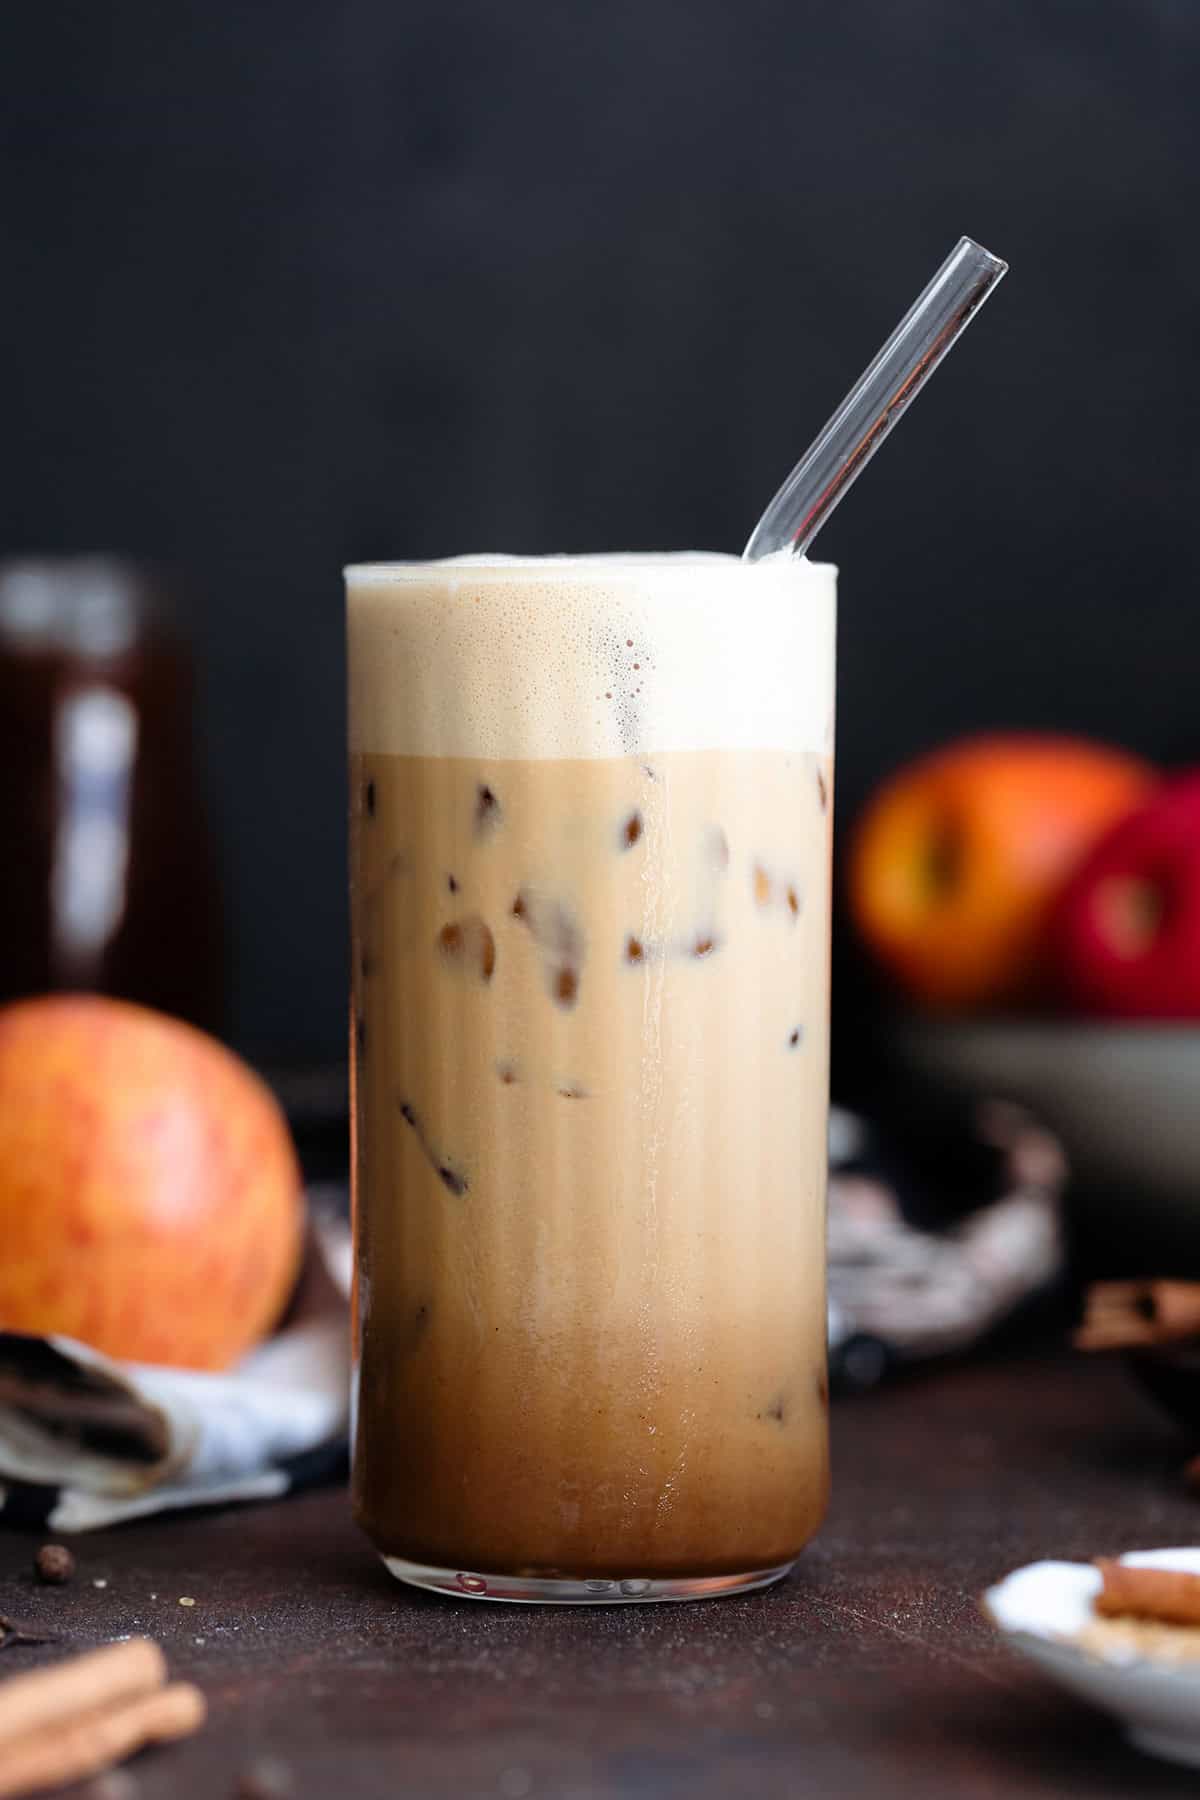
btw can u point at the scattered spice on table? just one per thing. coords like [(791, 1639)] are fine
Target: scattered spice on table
[(267, 1778), (13, 1633), (54, 1564), (114, 1784)]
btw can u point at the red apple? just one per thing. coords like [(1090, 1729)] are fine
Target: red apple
[(1126, 930)]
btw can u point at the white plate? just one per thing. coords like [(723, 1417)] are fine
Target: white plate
[(1039, 1608)]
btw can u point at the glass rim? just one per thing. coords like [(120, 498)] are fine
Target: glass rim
[(613, 563)]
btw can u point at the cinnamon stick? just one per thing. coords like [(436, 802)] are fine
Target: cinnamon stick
[(86, 1743), (48, 1697), (1121, 1315), (1168, 1595)]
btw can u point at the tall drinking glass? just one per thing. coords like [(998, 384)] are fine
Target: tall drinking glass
[(590, 805)]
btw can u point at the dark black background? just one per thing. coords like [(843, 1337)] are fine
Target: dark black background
[(300, 281)]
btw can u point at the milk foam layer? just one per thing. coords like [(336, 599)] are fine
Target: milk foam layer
[(591, 656)]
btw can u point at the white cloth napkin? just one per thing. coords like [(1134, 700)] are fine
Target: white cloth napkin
[(86, 1441)]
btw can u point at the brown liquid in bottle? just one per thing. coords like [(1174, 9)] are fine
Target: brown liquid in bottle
[(110, 884)]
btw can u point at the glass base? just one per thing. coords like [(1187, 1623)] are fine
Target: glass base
[(570, 1590)]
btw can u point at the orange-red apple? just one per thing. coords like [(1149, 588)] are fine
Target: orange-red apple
[(150, 1198), (955, 862)]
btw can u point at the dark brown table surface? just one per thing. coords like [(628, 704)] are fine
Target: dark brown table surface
[(869, 1672)]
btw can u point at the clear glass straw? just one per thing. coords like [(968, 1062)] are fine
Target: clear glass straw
[(871, 408)]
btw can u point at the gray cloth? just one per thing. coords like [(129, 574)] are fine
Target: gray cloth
[(913, 1294)]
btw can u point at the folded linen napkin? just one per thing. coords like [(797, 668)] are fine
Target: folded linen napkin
[(86, 1441)]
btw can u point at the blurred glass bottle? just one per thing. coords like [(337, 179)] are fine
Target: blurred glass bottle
[(110, 881)]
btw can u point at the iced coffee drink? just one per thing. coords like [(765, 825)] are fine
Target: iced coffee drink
[(590, 837)]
